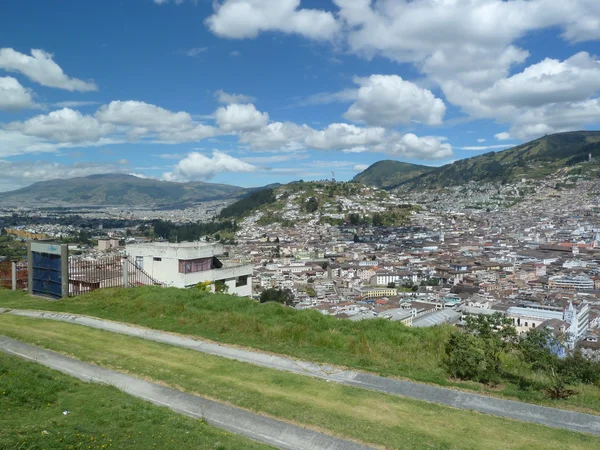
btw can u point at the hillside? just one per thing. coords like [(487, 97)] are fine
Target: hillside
[(320, 203), (122, 190), (534, 159), (389, 173)]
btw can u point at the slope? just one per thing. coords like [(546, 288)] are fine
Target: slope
[(389, 173)]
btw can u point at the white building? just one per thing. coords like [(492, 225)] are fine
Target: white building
[(186, 264)]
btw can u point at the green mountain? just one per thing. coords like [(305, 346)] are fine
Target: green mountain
[(389, 173), (534, 159), (121, 190)]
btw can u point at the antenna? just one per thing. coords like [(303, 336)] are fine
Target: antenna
[(332, 176)]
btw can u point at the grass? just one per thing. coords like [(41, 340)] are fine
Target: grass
[(371, 417), (379, 346), (33, 398)]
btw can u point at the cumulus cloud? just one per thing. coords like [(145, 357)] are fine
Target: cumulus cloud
[(13, 96), (41, 68), (228, 99), (236, 118), (388, 100), (238, 19), (65, 125), (196, 166), (360, 167), (341, 135)]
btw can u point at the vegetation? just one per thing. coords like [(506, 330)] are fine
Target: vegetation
[(248, 204), (12, 248), (481, 350), (190, 231), (33, 398), (379, 346), (283, 296), (388, 174), (377, 419)]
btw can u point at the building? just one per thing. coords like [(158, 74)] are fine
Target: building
[(580, 283), (107, 244), (186, 264)]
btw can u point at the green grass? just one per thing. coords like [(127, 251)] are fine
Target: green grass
[(33, 398), (371, 417), (379, 346)]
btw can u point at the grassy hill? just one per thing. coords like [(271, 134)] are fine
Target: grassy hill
[(389, 173), (324, 202), (120, 189), (534, 159)]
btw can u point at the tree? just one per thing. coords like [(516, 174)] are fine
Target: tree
[(391, 285), (488, 338), (221, 287), (283, 296), (311, 205)]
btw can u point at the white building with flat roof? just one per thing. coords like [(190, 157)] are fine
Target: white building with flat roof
[(185, 264)]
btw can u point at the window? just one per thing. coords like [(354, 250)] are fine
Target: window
[(241, 281), (156, 259), (195, 265)]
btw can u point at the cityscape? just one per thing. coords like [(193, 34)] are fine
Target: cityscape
[(303, 225)]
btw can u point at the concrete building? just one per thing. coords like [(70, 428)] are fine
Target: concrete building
[(186, 264), (107, 244), (580, 282)]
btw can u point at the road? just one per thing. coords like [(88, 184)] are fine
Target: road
[(552, 417), (236, 420)]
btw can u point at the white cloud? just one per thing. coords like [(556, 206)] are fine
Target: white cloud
[(63, 126), (197, 51), (481, 140), (322, 98), (275, 158), (388, 100), (228, 99), (413, 146), (41, 68), (276, 136), (502, 136), (238, 19), (13, 96), (341, 136), (485, 147), (196, 166), (360, 167), (74, 104), (235, 118)]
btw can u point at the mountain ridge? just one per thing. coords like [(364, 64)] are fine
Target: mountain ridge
[(533, 159), (121, 190)]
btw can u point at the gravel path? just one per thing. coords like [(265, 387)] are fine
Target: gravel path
[(553, 417), (236, 420)]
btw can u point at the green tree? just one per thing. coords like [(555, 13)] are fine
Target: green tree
[(391, 285), (284, 296), (221, 287)]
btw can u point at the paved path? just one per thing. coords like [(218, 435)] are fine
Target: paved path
[(236, 420), (525, 412)]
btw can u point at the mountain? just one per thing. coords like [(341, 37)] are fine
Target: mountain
[(120, 190), (389, 173), (534, 159)]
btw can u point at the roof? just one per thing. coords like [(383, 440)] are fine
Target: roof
[(436, 318)]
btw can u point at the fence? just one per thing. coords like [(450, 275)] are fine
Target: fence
[(6, 274), (114, 271)]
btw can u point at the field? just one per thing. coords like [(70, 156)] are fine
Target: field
[(353, 413), (378, 346), (33, 398)]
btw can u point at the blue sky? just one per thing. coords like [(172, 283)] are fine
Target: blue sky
[(251, 92)]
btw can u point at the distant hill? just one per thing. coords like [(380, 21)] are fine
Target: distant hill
[(389, 173), (121, 190), (534, 159)]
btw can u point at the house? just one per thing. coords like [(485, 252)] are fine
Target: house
[(186, 264)]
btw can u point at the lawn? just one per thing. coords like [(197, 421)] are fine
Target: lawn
[(33, 398), (378, 346), (353, 413)]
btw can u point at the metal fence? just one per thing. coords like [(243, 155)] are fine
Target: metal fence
[(6, 274), (109, 272)]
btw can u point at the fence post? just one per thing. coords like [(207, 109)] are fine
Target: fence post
[(125, 272), (14, 275)]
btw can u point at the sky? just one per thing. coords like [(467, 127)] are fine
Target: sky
[(252, 92)]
